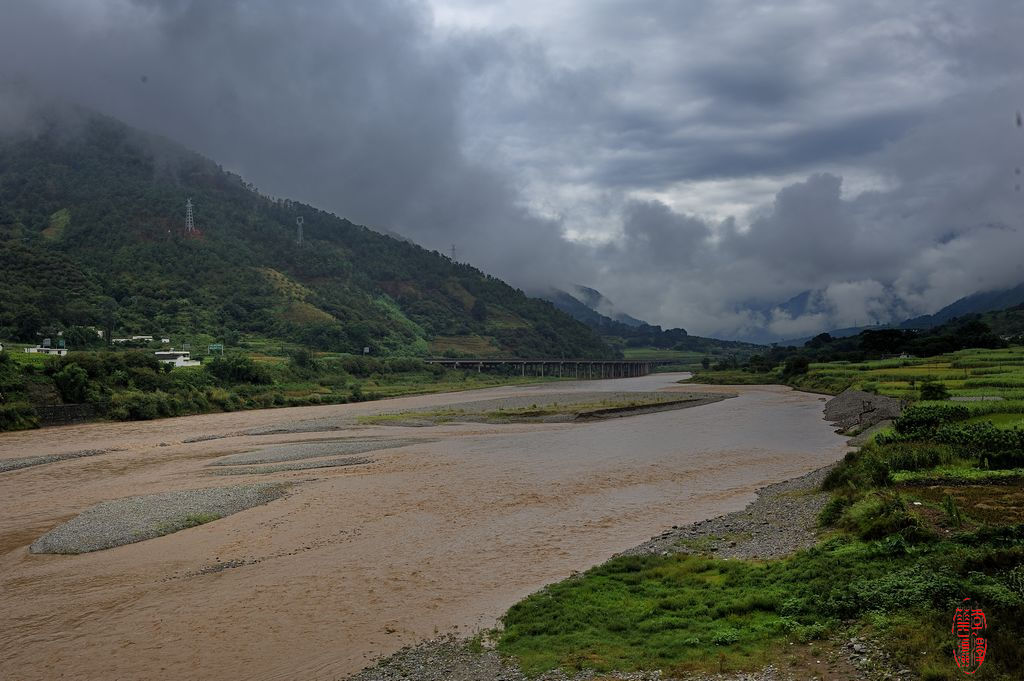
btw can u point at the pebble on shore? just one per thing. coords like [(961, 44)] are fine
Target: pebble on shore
[(311, 450)]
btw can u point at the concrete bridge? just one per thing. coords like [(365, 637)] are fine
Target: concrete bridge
[(562, 368)]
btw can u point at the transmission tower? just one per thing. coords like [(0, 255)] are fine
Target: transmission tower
[(453, 253), (190, 224), (298, 230)]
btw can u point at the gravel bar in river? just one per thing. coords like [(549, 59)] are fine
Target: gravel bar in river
[(312, 450), (133, 519), (29, 461)]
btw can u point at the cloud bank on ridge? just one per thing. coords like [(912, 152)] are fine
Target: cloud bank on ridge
[(696, 162)]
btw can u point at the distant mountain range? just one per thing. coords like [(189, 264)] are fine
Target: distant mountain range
[(976, 303), (987, 301), (622, 330)]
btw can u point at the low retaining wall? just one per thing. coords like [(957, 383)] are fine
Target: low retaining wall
[(62, 414)]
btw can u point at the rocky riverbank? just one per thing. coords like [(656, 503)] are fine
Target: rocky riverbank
[(855, 411), (781, 521)]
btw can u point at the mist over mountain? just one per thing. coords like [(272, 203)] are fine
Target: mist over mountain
[(986, 301), (696, 167), (974, 304), (92, 234), (589, 306)]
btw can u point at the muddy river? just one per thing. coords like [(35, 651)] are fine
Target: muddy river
[(357, 561)]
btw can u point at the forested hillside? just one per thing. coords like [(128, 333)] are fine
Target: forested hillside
[(92, 233)]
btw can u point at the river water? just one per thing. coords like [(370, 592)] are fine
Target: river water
[(356, 562)]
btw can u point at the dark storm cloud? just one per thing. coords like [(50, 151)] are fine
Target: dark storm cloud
[(283, 92), (597, 142), (351, 106), (757, 84), (951, 224), (913, 103), (647, 161), (658, 237)]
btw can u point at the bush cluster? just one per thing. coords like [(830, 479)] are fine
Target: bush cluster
[(942, 425), (237, 368), (923, 419), (876, 516), (17, 416)]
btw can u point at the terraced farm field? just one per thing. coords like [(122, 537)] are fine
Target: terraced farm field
[(942, 489), (988, 382)]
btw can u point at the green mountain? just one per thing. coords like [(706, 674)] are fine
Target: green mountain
[(1008, 324), (92, 233), (986, 301)]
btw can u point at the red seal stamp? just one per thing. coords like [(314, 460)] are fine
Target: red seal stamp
[(969, 628)]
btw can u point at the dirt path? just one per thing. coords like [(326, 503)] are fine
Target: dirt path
[(357, 561)]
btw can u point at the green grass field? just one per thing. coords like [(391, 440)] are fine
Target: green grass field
[(682, 360), (23, 358), (918, 518), (683, 356), (968, 373), (688, 613), (282, 374)]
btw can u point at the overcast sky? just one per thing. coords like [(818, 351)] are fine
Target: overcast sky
[(697, 162)]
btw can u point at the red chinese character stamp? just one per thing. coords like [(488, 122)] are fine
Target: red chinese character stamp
[(969, 627)]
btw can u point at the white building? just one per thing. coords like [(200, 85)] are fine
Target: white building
[(39, 349), (138, 339), (179, 358)]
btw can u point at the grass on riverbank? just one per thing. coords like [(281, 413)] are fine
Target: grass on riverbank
[(967, 373), (930, 512), (682, 360), (133, 385), (996, 375), (685, 613)]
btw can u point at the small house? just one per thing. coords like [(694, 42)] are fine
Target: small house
[(179, 358), (45, 348)]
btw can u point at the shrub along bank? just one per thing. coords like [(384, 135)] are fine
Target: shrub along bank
[(134, 385), (920, 518)]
